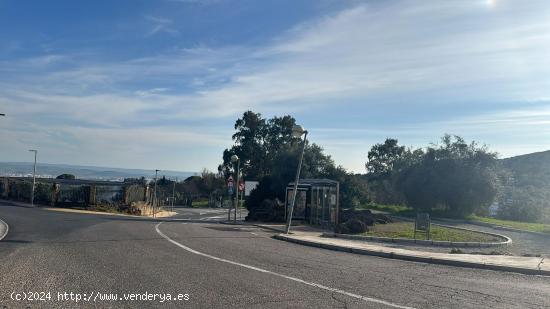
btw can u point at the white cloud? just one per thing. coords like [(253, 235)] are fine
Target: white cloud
[(160, 24), (354, 54), (448, 52)]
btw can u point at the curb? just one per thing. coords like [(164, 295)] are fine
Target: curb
[(269, 228), (505, 228), (479, 223), (19, 204), (438, 243), (413, 258), (6, 229)]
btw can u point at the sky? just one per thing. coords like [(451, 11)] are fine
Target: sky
[(159, 84)]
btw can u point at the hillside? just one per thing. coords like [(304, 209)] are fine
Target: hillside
[(525, 194), (530, 170)]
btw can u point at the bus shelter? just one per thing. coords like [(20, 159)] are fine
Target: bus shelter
[(317, 201)]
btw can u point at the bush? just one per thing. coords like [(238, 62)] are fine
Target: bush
[(356, 226), (269, 210), (66, 176), (382, 219), (365, 216), (342, 228), (20, 190), (43, 193), (269, 188)]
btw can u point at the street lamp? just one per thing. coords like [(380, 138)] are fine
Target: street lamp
[(297, 131), (220, 174), (2, 114), (155, 194), (235, 159), (33, 176), (174, 193)]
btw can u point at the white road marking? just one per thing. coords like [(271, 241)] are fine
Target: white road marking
[(6, 229), (212, 218), (365, 298)]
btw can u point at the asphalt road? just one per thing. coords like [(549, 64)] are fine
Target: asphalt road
[(224, 266)]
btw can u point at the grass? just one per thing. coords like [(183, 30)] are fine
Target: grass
[(526, 226), (406, 230), (104, 208), (398, 210), (200, 203)]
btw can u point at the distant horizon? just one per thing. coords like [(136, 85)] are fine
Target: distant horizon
[(96, 166), (190, 172), (90, 172)]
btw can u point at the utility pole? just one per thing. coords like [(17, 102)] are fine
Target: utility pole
[(235, 159), (174, 193), (241, 205), (297, 131), (155, 194), (33, 176)]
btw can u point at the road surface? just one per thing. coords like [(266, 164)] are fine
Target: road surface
[(224, 266)]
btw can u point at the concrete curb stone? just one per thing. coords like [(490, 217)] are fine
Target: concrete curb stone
[(414, 258), (507, 241)]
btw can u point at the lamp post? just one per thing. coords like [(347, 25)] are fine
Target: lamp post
[(297, 131), (155, 194), (174, 193), (235, 159), (33, 176)]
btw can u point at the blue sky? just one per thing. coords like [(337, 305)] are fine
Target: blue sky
[(159, 84)]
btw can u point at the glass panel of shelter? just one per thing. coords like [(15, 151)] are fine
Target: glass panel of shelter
[(333, 204), (313, 210)]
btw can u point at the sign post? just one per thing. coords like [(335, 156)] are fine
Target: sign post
[(230, 193), (241, 190), (422, 224)]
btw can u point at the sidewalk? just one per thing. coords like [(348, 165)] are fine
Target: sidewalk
[(161, 214), (310, 237)]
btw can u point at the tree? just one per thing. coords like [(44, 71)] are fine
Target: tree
[(141, 180), (382, 157), (384, 161), (249, 138), (257, 142), (454, 177), (66, 176), (523, 204), (268, 152)]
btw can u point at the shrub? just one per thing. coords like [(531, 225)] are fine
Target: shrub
[(66, 176), (342, 228), (356, 226)]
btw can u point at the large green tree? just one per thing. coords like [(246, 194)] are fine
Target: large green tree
[(258, 141), (270, 153), (455, 177), (384, 161), (382, 157)]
